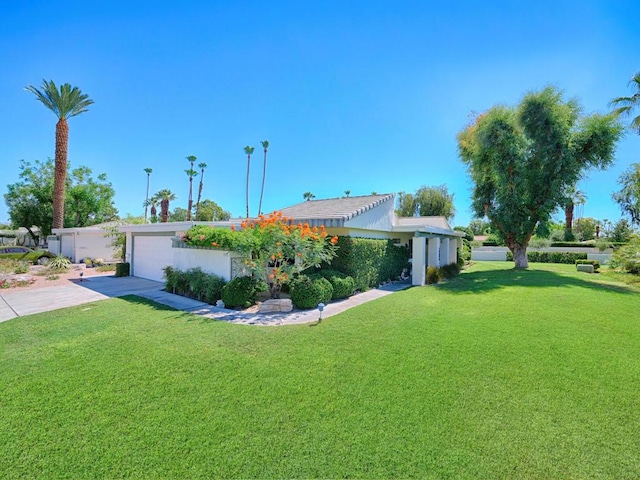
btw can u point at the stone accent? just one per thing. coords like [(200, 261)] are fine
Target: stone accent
[(276, 305), (584, 268)]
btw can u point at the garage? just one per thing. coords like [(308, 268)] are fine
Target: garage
[(151, 254)]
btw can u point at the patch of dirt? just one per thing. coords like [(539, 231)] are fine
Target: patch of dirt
[(37, 278)]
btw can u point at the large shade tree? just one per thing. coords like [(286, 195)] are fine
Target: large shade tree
[(522, 160), (625, 105), (65, 103), (426, 202), (88, 199)]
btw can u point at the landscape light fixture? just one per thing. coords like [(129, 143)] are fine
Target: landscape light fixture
[(320, 308)]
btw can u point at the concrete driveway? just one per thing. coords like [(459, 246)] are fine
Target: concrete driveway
[(16, 302)]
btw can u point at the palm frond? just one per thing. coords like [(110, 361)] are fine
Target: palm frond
[(65, 102)]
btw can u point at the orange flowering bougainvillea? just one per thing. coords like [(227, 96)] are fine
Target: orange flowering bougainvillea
[(275, 249)]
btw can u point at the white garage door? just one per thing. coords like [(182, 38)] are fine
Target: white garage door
[(150, 256)]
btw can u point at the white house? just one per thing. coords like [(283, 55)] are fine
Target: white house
[(82, 242), (431, 239)]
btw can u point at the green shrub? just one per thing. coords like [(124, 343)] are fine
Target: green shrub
[(22, 267), (573, 244), (343, 285), (308, 292), (210, 237), (449, 271), (370, 262), (123, 269), (433, 275), (595, 263), (627, 257), (88, 262), (552, 257), (107, 267), (59, 263), (602, 244), (241, 292), (194, 283), (464, 253)]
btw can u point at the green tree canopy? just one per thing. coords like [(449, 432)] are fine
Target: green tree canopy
[(426, 202), (628, 198), (210, 211), (88, 201), (523, 159)]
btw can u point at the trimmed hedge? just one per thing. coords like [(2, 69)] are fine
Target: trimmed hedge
[(242, 292), (308, 292), (369, 261), (343, 285), (123, 269), (552, 257)]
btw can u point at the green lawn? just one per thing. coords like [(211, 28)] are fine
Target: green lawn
[(496, 374)]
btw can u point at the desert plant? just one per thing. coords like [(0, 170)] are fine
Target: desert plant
[(22, 267), (433, 275), (59, 263)]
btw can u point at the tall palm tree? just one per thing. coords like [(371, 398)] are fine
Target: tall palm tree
[(64, 103), (308, 196), (164, 197), (202, 167), (146, 199), (265, 146), (190, 173), (248, 150), (347, 193), (625, 105)]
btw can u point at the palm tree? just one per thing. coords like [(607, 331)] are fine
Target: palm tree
[(146, 199), (347, 193), (625, 105), (164, 197), (265, 146), (64, 103), (308, 196), (190, 173), (153, 203), (202, 167), (573, 197), (248, 150)]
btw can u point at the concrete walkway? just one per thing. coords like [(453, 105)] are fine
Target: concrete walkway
[(16, 303)]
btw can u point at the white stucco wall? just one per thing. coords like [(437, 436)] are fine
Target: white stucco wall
[(216, 262)]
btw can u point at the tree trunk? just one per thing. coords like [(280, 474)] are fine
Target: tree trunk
[(199, 193), (247, 189), (520, 256), (146, 200), (60, 175), (164, 210), (190, 202), (568, 219), (264, 174)]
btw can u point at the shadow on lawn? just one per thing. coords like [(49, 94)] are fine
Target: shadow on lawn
[(486, 280)]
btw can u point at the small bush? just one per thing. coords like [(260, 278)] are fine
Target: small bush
[(87, 261), (241, 292), (59, 263), (627, 257), (449, 271), (211, 237), (433, 275), (343, 285), (595, 263), (98, 262), (308, 292), (123, 269), (22, 267)]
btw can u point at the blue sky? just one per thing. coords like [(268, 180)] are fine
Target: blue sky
[(362, 96)]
